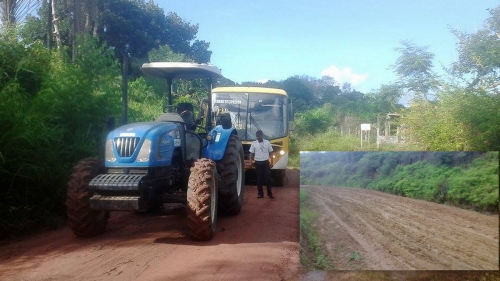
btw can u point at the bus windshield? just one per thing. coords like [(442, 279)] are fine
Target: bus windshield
[(251, 112)]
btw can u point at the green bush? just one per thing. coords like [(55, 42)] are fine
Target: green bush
[(53, 113), (468, 180)]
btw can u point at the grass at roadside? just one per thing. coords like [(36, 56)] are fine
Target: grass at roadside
[(417, 275), (326, 141), (312, 255)]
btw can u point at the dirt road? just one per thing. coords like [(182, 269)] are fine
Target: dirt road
[(260, 243), (370, 230)]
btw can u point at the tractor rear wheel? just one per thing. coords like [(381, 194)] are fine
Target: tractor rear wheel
[(84, 221), (202, 200), (232, 173)]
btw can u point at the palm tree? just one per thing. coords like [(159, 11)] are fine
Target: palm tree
[(15, 11)]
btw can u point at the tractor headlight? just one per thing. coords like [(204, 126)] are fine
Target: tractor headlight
[(108, 151), (145, 151)]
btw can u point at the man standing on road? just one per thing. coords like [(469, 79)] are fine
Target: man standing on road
[(261, 148)]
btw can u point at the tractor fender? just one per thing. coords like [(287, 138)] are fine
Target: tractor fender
[(216, 147)]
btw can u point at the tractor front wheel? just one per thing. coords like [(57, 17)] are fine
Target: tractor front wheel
[(202, 200), (84, 221), (232, 173)]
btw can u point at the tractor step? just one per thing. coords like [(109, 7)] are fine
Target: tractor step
[(116, 182), (117, 203)]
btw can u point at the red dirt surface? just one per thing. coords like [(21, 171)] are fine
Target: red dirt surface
[(260, 243), (369, 230)]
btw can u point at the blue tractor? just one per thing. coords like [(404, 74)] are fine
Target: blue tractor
[(175, 159)]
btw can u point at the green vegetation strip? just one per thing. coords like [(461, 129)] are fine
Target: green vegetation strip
[(464, 179), (312, 255)]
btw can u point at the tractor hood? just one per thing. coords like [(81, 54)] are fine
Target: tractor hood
[(145, 144)]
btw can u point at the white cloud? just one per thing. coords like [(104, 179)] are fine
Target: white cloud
[(344, 75)]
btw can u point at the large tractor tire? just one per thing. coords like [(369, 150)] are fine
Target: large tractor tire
[(84, 221), (202, 200), (232, 173)]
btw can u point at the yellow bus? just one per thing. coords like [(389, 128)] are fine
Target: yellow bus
[(258, 108)]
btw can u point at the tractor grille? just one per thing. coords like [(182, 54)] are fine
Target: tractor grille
[(126, 145)]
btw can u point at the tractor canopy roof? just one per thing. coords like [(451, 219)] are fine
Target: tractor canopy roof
[(180, 70)]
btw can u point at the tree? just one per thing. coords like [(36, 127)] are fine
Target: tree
[(479, 55), (179, 34), (87, 16), (133, 27), (326, 90), (14, 11), (414, 70), (475, 103), (301, 90), (199, 51), (386, 98)]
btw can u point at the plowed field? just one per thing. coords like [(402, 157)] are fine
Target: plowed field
[(370, 230)]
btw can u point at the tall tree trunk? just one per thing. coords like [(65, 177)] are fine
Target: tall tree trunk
[(92, 19), (85, 19), (49, 26), (55, 24), (74, 23)]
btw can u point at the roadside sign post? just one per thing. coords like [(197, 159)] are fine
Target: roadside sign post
[(365, 128)]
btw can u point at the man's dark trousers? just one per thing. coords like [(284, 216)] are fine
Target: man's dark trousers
[(263, 173)]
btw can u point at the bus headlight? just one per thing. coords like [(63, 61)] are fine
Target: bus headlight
[(143, 155)]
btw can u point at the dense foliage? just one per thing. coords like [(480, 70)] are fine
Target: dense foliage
[(465, 179), (53, 113)]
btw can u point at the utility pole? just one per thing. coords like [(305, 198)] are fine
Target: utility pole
[(125, 62)]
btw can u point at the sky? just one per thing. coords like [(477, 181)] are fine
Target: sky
[(352, 41)]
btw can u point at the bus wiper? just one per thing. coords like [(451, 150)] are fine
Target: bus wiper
[(254, 122), (238, 120)]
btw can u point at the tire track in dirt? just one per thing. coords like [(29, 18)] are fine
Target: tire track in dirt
[(392, 232)]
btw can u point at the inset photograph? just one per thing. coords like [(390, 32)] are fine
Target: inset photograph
[(399, 210)]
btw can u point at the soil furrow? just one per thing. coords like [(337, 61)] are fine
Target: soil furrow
[(401, 233)]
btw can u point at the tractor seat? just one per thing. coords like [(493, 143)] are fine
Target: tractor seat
[(186, 110)]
